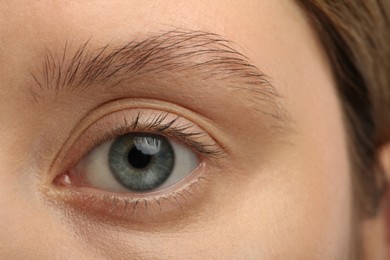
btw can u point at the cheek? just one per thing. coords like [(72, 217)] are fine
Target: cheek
[(315, 186), (299, 205)]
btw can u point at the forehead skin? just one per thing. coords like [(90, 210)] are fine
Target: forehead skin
[(292, 194)]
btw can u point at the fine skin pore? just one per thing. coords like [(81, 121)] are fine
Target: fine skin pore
[(281, 189)]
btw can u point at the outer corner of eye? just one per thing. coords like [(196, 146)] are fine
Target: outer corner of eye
[(135, 163)]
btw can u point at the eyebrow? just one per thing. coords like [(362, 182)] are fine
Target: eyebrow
[(183, 53)]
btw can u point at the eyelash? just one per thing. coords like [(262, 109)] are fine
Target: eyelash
[(168, 129), (156, 123)]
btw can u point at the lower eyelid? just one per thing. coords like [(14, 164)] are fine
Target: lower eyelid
[(141, 210)]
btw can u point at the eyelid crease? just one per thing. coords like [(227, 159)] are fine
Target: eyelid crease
[(139, 120), (115, 106)]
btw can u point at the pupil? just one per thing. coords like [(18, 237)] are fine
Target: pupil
[(137, 159)]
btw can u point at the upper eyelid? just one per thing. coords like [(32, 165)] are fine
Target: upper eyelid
[(113, 106), (170, 128), (79, 131)]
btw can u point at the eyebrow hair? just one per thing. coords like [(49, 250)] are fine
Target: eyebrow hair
[(183, 53)]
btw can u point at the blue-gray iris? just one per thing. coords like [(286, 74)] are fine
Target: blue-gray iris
[(141, 162)]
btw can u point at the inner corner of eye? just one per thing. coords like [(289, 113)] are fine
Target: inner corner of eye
[(64, 179), (134, 162)]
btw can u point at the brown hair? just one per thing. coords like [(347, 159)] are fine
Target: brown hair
[(356, 36)]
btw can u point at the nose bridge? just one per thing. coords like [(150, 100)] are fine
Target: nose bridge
[(22, 229), (31, 229), (22, 221)]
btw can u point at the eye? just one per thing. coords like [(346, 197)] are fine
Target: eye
[(137, 165), (136, 162)]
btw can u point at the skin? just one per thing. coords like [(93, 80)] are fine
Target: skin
[(281, 191)]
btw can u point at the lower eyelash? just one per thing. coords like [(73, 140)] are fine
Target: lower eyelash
[(123, 210), (177, 199)]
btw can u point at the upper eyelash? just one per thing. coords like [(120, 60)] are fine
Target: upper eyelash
[(155, 123)]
